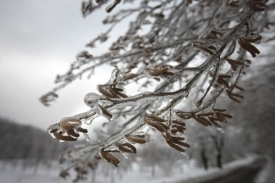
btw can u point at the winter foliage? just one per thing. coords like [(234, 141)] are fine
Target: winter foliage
[(184, 56)]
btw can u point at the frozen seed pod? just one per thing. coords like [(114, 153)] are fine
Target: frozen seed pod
[(112, 6), (91, 99)]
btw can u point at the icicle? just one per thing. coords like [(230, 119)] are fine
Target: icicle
[(125, 155), (89, 120), (186, 156), (139, 133)]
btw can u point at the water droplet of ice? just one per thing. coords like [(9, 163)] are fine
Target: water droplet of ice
[(213, 68), (53, 128), (87, 137), (83, 120), (190, 100), (220, 130), (141, 133), (224, 98)]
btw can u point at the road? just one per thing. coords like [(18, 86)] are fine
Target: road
[(244, 174)]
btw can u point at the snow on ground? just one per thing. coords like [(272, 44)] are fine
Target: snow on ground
[(17, 174), (201, 174)]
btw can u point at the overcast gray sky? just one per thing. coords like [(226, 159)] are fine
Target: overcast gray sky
[(39, 39)]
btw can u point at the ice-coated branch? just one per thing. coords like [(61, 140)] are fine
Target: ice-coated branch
[(189, 51)]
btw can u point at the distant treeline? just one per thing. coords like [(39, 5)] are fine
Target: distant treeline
[(26, 142)]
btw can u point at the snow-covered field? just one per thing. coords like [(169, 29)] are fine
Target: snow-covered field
[(16, 174)]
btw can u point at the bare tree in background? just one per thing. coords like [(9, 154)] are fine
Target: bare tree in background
[(184, 54), (256, 125)]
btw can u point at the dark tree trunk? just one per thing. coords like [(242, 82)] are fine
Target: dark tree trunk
[(219, 159), (219, 144), (204, 159)]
